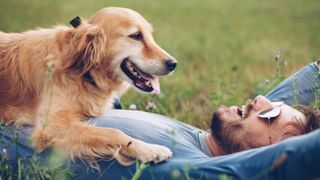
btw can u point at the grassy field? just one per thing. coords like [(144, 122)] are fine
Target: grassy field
[(225, 49)]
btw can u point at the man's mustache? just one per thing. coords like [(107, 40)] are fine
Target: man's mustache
[(248, 107)]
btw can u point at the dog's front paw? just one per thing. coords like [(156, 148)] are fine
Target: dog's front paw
[(152, 153)]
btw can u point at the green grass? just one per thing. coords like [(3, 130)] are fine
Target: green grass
[(225, 49)]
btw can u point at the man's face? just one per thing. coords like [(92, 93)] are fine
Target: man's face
[(236, 129)]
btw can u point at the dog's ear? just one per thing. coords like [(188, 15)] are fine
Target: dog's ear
[(87, 47), (92, 47)]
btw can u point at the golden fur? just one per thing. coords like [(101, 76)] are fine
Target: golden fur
[(42, 83)]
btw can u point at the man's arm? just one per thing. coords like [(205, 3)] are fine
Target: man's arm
[(300, 88)]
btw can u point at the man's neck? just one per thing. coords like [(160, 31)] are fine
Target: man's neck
[(212, 144)]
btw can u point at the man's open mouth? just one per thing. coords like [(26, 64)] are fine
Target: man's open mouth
[(143, 81)]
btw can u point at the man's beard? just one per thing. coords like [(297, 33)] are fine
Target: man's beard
[(230, 136)]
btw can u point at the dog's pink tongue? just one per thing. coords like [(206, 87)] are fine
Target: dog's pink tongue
[(155, 85)]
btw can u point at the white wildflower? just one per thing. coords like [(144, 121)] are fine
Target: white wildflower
[(133, 107)]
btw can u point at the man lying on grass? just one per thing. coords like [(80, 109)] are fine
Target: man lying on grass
[(211, 154)]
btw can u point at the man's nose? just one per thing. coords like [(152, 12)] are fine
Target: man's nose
[(262, 103)]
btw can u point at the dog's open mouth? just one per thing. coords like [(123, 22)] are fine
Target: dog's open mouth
[(143, 81)]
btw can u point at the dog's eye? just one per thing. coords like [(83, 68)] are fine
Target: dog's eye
[(136, 36)]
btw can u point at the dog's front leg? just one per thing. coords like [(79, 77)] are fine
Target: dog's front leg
[(78, 140)]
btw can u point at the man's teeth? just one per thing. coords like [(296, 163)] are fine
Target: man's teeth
[(243, 107)]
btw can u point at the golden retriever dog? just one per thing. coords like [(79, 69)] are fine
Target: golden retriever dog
[(55, 78)]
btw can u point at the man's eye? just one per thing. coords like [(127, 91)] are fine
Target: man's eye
[(136, 36)]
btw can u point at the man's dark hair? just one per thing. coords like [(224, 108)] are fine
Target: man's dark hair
[(312, 115)]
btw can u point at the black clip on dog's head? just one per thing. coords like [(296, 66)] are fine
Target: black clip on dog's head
[(75, 22)]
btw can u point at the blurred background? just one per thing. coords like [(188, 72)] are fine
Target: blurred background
[(226, 48)]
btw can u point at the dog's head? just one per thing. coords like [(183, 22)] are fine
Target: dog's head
[(116, 44)]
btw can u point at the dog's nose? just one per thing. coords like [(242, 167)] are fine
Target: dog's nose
[(171, 64)]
